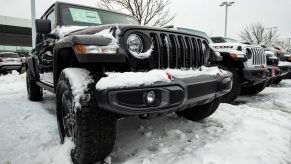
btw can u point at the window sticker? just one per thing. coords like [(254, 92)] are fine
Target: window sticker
[(87, 16)]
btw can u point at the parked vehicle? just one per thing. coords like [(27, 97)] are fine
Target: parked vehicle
[(247, 63), (273, 66), (284, 65), (78, 50), (10, 61)]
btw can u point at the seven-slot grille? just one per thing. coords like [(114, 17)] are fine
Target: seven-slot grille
[(259, 57), (172, 50)]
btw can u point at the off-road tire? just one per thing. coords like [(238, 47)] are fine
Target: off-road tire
[(34, 92), (95, 130), (278, 80), (253, 89), (200, 112), (236, 87)]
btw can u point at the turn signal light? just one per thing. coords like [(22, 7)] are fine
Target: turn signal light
[(80, 49), (289, 59), (233, 56)]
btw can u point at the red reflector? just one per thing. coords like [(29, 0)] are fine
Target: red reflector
[(169, 76), (273, 72)]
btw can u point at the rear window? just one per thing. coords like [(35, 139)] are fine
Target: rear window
[(9, 55)]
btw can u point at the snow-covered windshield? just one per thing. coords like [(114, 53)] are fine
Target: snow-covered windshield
[(84, 16)]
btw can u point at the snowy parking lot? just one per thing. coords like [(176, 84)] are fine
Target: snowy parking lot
[(254, 130)]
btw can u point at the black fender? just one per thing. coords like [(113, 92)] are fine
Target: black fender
[(32, 65), (70, 41)]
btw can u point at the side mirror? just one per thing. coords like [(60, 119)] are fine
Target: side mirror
[(43, 26)]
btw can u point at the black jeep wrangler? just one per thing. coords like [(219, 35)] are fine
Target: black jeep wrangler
[(79, 47)]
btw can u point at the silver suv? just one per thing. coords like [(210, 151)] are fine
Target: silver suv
[(10, 61)]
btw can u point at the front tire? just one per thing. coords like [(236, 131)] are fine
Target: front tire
[(200, 112), (235, 90), (34, 92), (278, 80), (92, 129), (253, 89)]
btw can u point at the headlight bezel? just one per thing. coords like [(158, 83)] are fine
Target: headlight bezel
[(129, 41)]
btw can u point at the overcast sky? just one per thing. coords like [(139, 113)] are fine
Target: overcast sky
[(204, 15)]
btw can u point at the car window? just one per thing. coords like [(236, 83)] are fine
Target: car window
[(82, 16), (52, 18), (9, 55), (228, 40)]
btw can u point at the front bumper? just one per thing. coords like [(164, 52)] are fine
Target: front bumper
[(256, 74), (274, 71), (285, 70), (177, 95)]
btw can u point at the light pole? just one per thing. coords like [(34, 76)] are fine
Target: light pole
[(33, 32), (226, 4)]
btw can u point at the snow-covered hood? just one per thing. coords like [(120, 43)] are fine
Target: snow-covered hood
[(63, 31)]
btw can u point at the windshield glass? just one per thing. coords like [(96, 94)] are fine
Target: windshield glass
[(9, 55), (217, 40), (228, 40), (85, 16)]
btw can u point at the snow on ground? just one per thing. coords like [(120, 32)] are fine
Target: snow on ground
[(254, 130)]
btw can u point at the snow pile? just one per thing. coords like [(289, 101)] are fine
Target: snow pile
[(62, 31), (212, 71), (281, 63), (135, 79), (79, 79), (131, 79), (143, 55), (256, 130), (10, 78)]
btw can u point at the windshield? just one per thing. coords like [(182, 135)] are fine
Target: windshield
[(223, 40), (9, 55), (85, 16)]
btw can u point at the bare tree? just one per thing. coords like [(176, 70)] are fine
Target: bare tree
[(283, 44), (147, 12), (257, 34)]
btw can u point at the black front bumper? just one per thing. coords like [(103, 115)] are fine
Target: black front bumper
[(256, 74), (177, 95), (274, 71), (285, 70)]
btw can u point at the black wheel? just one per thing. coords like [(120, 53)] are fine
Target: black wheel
[(92, 129), (236, 87), (200, 112), (278, 80), (253, 89), (34, 91)]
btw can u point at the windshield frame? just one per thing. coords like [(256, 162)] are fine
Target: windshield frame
[(63, 5)]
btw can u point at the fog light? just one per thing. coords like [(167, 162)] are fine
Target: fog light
[(150, 97)]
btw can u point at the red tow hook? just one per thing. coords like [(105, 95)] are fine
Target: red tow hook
[(170, 77)]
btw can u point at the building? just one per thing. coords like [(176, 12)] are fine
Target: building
[(15, 34)]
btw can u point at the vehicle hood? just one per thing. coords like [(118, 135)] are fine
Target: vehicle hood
[(64, 31), (233, 46)]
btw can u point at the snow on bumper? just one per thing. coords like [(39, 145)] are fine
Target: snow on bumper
[(172, 90)]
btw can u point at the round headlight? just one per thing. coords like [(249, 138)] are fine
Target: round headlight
[(134, 43)]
